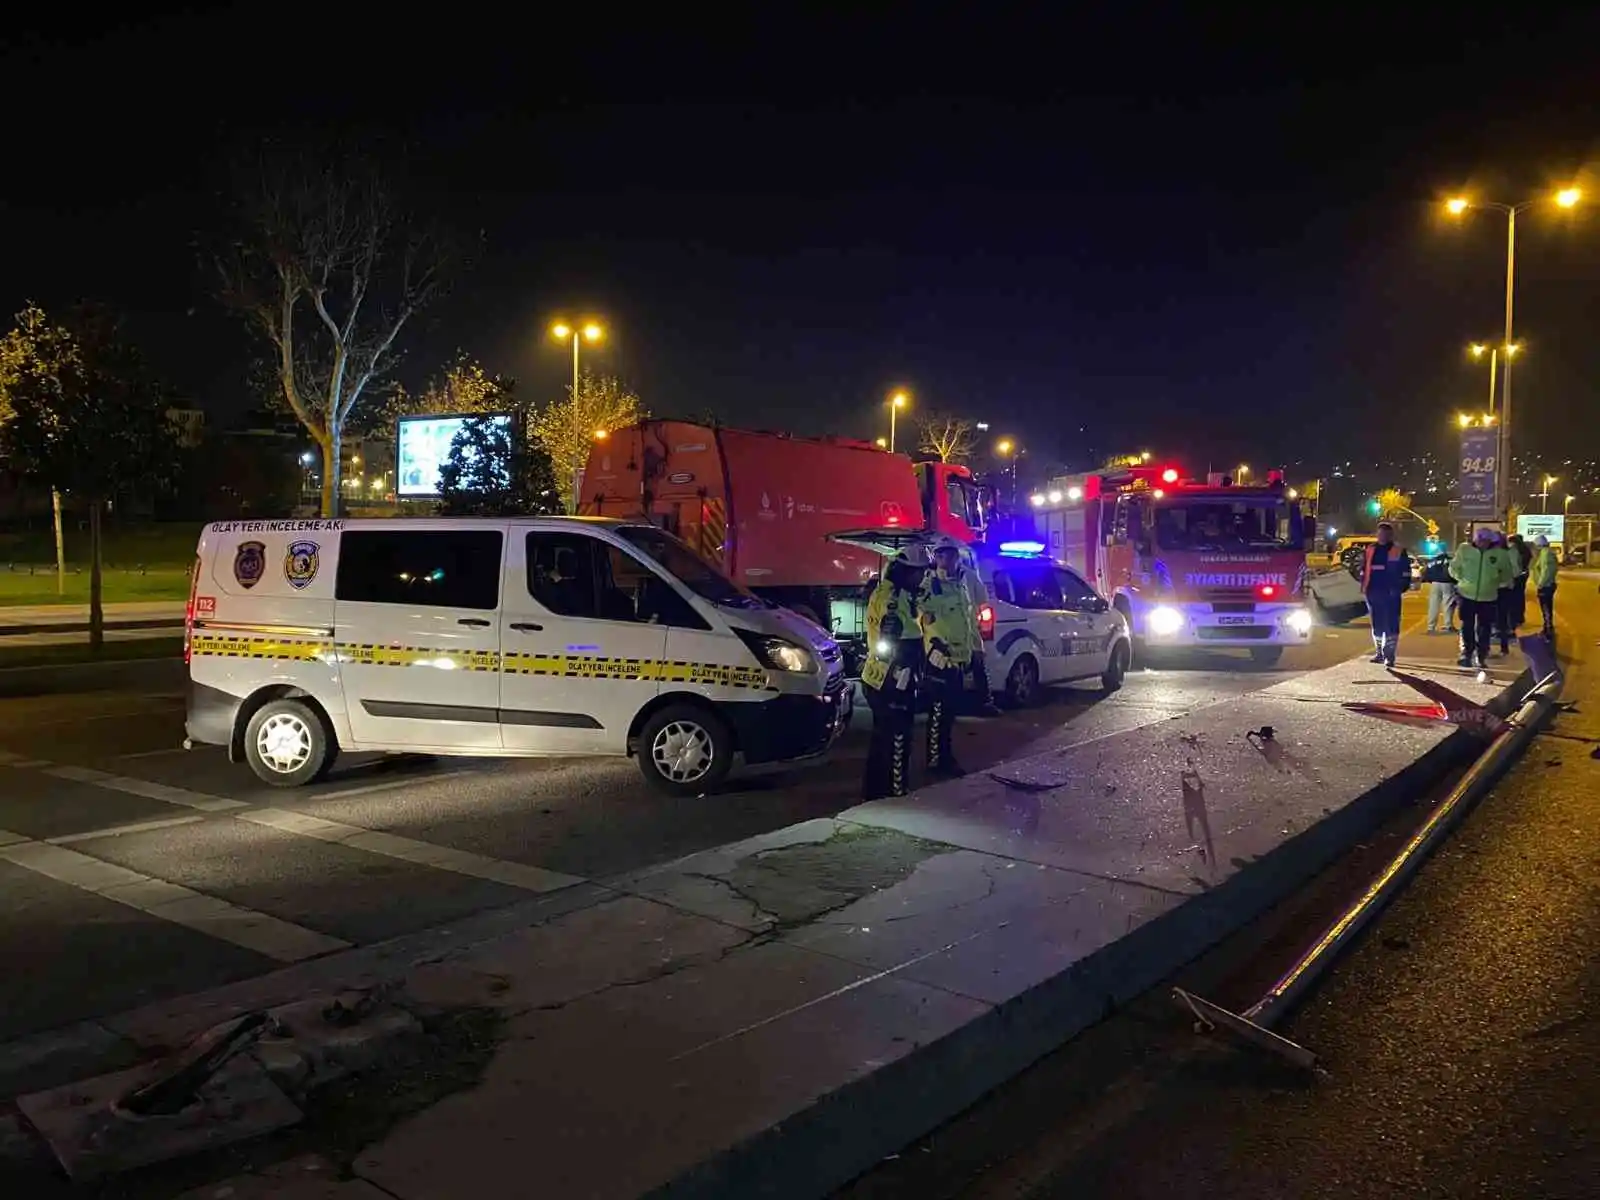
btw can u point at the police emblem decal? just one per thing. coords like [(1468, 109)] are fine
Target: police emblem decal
[(249, 563), (300, 564)]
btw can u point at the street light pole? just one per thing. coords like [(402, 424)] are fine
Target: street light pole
[(1502, 476), (1565, 198), (896, 403), (592, 332)]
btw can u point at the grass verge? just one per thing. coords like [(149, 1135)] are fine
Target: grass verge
[(19, 588)]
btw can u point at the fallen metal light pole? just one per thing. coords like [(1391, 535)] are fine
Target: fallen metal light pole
[(1255, 1023)]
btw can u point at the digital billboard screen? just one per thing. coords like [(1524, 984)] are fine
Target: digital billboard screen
[(422, 446)]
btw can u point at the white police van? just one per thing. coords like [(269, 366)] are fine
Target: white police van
[(513, 637), (1043, 625)]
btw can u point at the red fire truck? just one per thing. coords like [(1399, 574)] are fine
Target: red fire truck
[(762, 506), (1210, 562)]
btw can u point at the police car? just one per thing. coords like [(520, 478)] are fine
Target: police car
[(514, 637), (1044, 625)]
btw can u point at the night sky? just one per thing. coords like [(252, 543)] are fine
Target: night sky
[(1217, 236)]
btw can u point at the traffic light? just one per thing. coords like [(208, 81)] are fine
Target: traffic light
[(1374, 507)]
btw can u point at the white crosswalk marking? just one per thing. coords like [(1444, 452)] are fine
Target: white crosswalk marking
[(266, 935), (150, 791), (444, 858), (67, 839)]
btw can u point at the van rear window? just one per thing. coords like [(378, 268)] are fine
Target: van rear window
[(453, 568)]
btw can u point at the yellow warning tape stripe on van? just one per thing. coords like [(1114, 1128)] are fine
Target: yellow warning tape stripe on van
[(567, 666)]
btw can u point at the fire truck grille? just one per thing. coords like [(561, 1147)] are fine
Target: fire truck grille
[(1233, 606), (1231, 633)]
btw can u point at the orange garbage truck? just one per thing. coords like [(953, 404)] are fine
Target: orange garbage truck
[(763, 506)]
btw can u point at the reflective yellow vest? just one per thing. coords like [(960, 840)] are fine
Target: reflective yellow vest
[(882, 649), (947, 616)]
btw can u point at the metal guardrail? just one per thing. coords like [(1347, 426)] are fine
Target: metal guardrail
[(1255, 1023)]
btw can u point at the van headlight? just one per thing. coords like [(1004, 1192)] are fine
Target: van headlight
[(779, 654), (1299, 620), (1164, 621)]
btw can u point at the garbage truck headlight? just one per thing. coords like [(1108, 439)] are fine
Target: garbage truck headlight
[(1299, 620), (1164, 621)]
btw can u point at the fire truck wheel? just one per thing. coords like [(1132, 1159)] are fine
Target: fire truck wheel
[(1117, 668), (1022, 683), (1266, 655)]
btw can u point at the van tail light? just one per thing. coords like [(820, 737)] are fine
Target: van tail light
[(986, 622), (188, 613)]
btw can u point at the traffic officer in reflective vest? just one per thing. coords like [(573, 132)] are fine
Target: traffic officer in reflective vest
[(948, 552), (949, 637), (892, 672)]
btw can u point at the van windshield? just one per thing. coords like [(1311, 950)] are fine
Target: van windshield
[(687, 567)]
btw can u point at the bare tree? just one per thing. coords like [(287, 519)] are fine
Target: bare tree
[(952, 439), (329, 272)]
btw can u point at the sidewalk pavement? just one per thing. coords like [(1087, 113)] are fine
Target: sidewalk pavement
[(56, 623), (769, 1018)]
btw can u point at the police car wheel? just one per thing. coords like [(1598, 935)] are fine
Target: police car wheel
[(685, 750), (1117, 668), (287, 744), (1022, 682)]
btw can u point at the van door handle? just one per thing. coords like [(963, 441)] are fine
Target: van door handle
[(527, 627), (474, 622)]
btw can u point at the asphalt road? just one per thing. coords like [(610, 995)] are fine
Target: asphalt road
[(1461, 1037), (132, 870)]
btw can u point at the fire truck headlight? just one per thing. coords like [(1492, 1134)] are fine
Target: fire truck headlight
[(1299, 620), (1164, 621)]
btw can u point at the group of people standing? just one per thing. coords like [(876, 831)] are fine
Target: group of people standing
[(922, 640), (1482, 588)]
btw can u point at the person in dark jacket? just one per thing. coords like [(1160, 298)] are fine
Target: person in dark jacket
[(1441, 594), (1506, 618), (1384, 580), (1522, 561)]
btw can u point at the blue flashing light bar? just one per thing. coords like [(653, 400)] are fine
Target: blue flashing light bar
[(1021, 549)]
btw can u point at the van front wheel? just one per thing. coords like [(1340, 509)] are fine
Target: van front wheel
[(685, 750), (287, 744)]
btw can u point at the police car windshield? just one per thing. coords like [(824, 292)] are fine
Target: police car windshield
[(687, 567), (1226, 525)]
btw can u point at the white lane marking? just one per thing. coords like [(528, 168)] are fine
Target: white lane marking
[(7, 838), (8, 759), (66, 839), (391, 785), (151, 791), (165, 901), (154, 753), (23, 764), (426, 854)]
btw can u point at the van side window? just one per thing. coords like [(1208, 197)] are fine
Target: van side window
[(574, 575), (447, 568)]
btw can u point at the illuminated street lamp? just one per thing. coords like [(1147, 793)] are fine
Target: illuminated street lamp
[(1457, 206), (1244, 469), (1567, 504), (590, 332), (1544, 496), (1008, 448), (896, 402), (883, 443)]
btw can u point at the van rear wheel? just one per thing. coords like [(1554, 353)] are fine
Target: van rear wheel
[(287, 744), (685, 750)]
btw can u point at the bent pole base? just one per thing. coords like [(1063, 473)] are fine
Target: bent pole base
[(1208, 1016)]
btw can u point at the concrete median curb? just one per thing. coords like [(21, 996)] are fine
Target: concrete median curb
[(45, 679), (772, 1017)]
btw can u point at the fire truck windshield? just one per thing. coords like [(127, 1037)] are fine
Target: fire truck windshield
[(1211, 523)]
